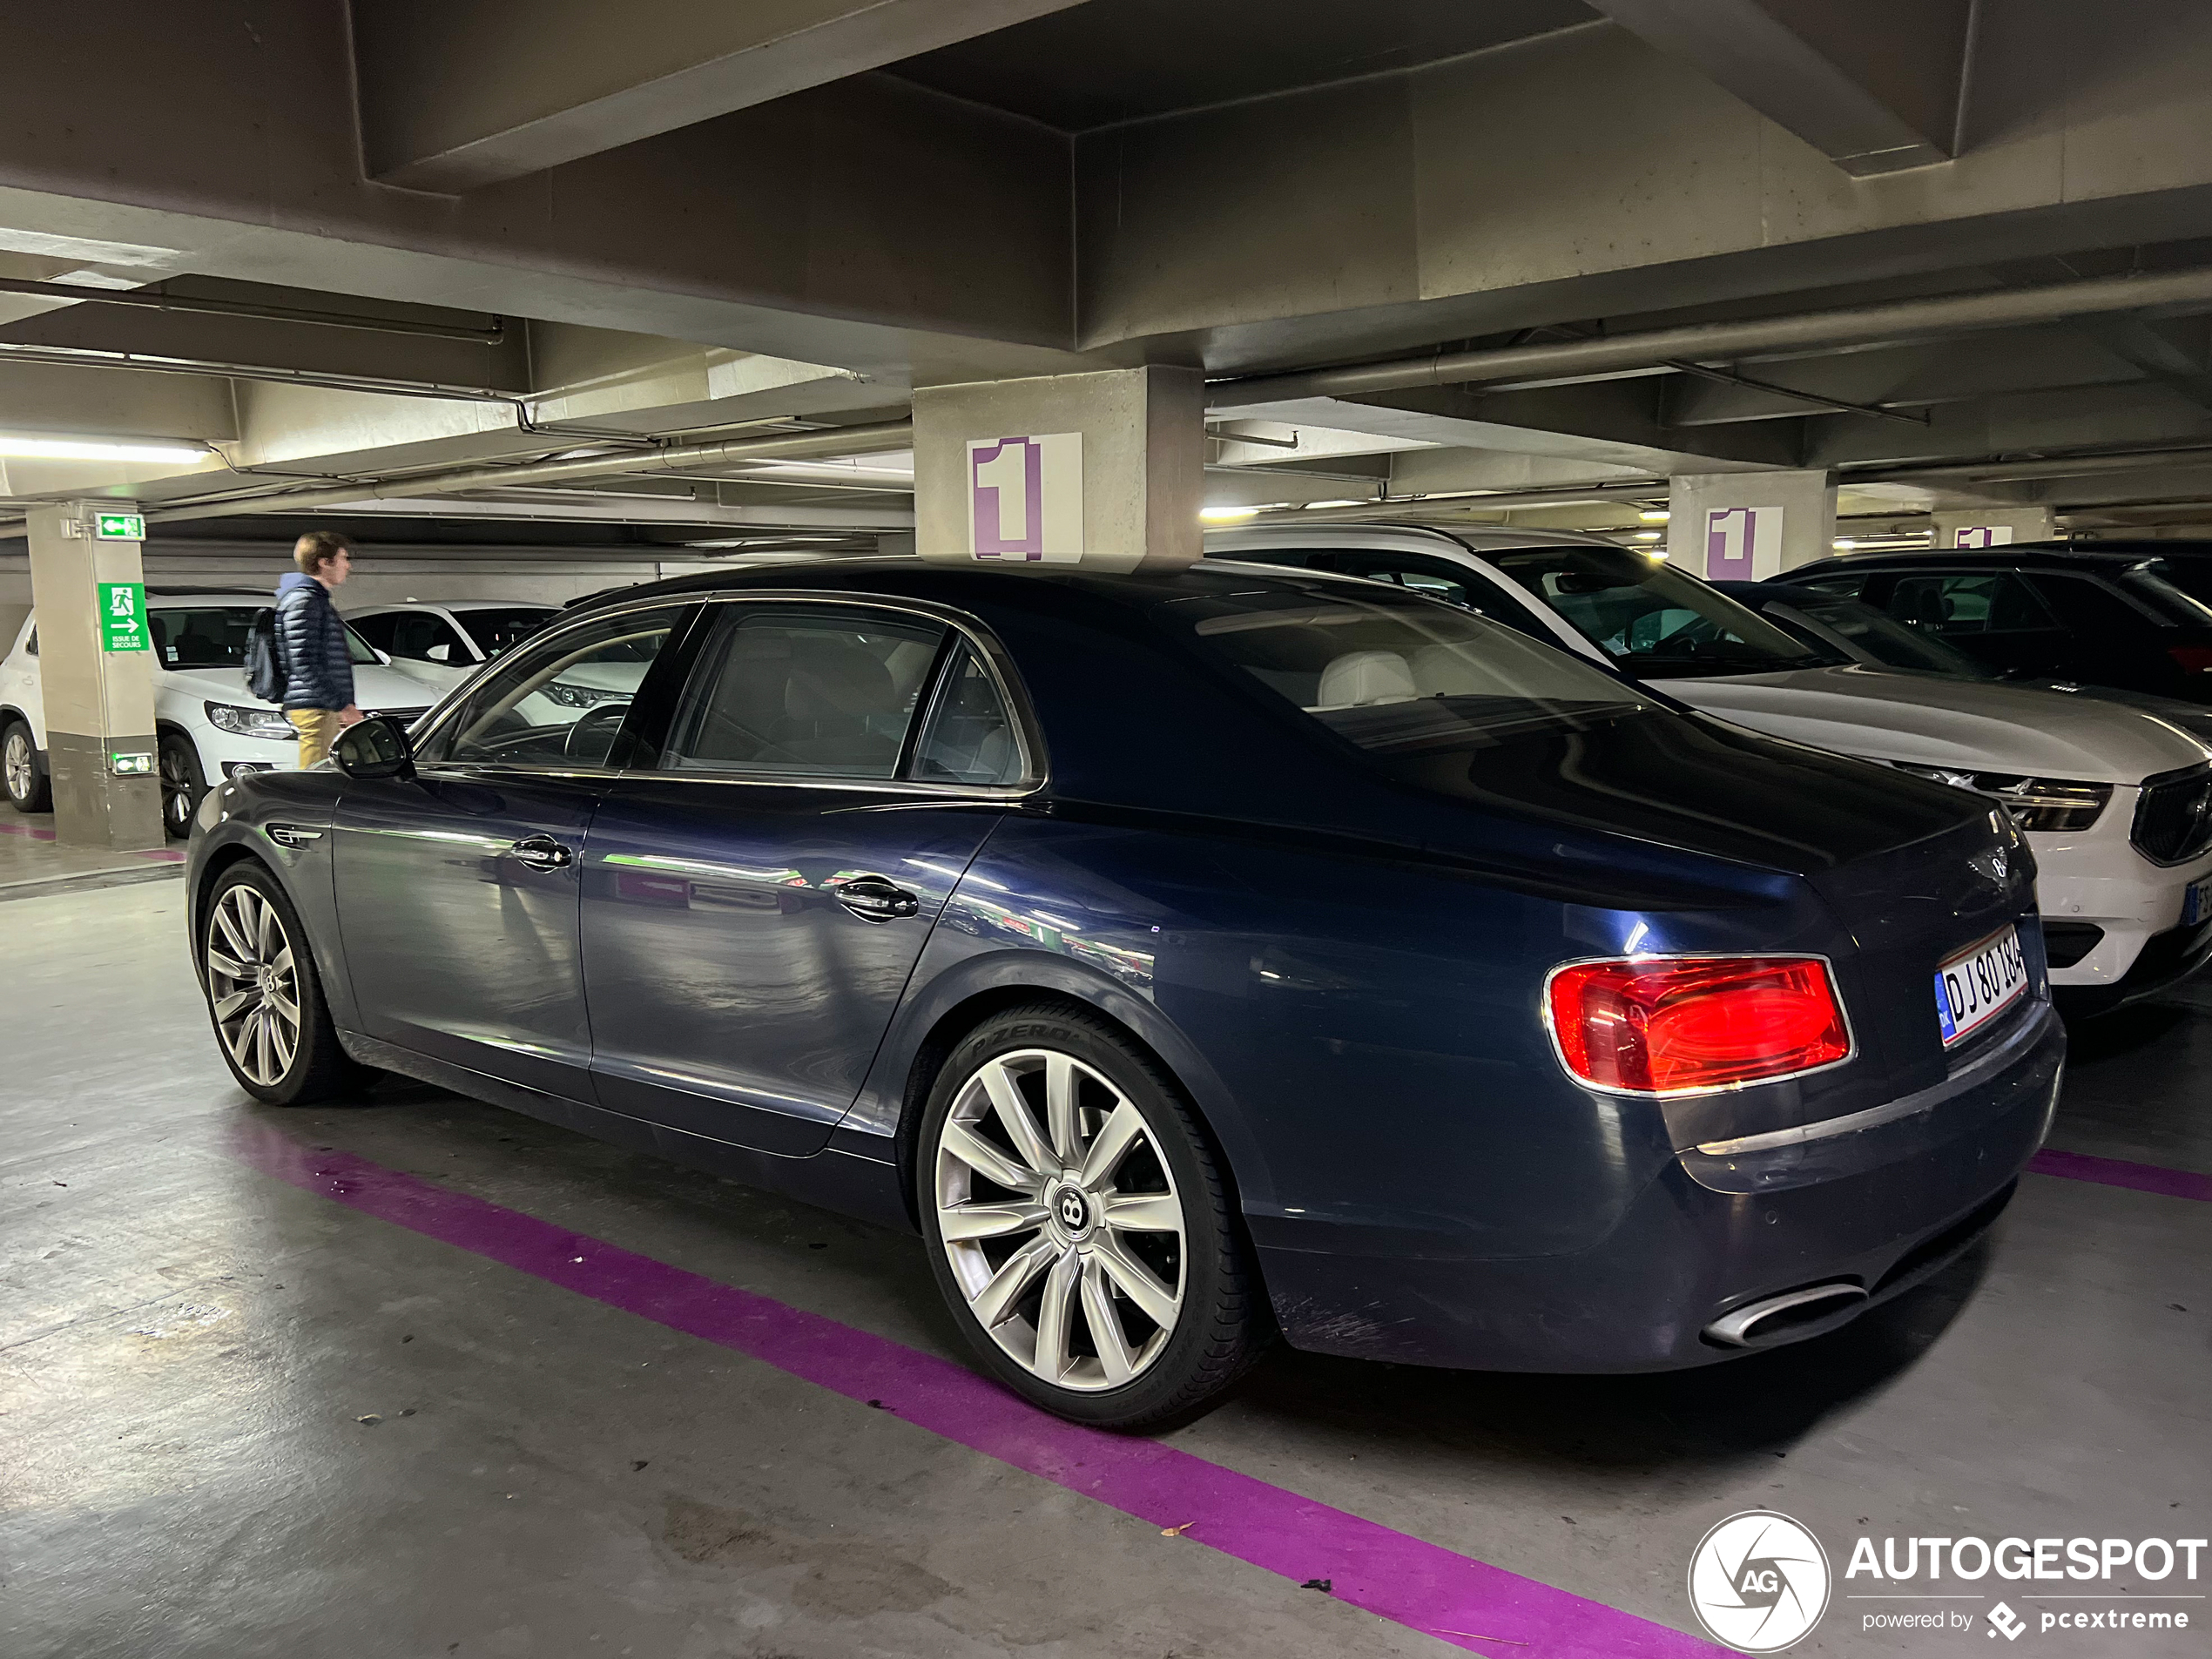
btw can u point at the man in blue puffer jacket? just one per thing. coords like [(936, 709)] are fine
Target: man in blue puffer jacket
[(311, 640)]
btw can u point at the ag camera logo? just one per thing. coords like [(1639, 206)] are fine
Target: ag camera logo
[(1758, 1582)]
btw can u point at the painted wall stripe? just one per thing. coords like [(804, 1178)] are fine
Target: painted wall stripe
[(1457, 1598), (2116, 1173)]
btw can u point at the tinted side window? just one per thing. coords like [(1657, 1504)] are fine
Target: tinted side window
[(1982, 602), (425, 637), (790, 690), (969, 739), (562, 705), (376, 630), (2090, 605)]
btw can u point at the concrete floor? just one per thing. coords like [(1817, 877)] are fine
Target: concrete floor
[(186, 1347)]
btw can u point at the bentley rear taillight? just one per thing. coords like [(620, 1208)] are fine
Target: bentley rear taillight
[(1670, 1025)]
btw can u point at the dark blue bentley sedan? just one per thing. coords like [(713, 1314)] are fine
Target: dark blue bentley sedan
[(1186, 957)]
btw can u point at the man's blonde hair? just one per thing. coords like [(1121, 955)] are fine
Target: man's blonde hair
[(318, 548)]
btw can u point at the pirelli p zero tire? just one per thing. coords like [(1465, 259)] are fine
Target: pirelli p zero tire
[(263, 995), (1079, 1224)]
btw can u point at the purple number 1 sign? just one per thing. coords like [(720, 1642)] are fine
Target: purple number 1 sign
[(1025, 497), (1739, 538)]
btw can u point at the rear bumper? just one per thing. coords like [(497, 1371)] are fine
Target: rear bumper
[(1878, 1201)]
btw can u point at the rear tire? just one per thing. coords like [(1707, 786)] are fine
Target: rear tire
[(182, 786), (1079, 1226), (263, 995), (21, 770)]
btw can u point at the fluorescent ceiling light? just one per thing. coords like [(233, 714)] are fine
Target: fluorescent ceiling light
[(1227, 514), (1844, 545), (1654, 514), (1339, 504), (99, 450), (1647, 536)]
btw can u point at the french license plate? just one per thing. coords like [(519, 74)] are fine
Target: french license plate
[(1974, 987), (2197, 902)]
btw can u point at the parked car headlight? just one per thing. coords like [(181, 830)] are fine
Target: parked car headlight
[(575, 697), (249, 722), (2036, 803)]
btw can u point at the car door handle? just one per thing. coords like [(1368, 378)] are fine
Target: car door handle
[(873, 898), (543, 853)]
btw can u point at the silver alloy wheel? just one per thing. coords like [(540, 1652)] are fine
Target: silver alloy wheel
[(177, 803), (1065, 1238), (252, 985), (21, 767)]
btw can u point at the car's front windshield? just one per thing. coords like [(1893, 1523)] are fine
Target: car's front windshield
[(1401, 675), (1653, 621), (1883, 638), (216, 636)]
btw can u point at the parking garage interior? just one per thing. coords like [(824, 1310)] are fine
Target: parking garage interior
[(533, 306)]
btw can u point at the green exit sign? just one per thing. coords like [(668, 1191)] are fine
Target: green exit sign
[(120, 526), (123, 617)]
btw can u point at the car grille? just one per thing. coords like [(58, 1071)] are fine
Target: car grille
[(2173, 817)]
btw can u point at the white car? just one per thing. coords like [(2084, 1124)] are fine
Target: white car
[(2116, 802), (207, 725), (442, 644)]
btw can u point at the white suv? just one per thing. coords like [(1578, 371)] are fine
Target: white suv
[(207, 725), (2116, 802)]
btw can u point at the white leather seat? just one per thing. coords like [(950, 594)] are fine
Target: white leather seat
[(1359, 677)]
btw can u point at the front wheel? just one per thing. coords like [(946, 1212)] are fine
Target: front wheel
[(264, 994), (181, 784), (1078, 1225)]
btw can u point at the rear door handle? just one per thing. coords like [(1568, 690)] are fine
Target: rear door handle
[(871, 897), (543, 853)]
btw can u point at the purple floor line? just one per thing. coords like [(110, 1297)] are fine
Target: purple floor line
[(2117, 1172), (1454, 1598)]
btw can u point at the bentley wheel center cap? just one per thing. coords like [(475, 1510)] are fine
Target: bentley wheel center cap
[(1073, 1210)]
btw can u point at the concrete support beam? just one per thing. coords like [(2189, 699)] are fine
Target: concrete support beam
[(1875, 85), (1749, 526), (98, 703), (1606, 423), (458, 94), (1106, 471)]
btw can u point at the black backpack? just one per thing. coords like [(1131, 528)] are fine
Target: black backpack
[(265, 675)]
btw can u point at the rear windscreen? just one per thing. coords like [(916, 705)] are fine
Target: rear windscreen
[(1404, 674)]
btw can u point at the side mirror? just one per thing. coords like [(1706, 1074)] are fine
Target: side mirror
[(438, 653), (375, 748)]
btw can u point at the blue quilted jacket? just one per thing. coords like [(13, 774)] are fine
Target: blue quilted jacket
[(318, 667)]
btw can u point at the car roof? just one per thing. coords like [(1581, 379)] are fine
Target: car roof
[(961, 586), (209, 595), (2030, 555), (1370, 532)]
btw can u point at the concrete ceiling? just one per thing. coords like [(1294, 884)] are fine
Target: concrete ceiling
[(779, 217), (1110, 61)]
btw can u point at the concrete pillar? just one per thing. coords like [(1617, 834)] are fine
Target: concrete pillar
[(1104, 469), (1991, 526), (99, 701), (1749, 526)]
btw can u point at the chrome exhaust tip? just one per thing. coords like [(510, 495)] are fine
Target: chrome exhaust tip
[(1779, 1319)]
